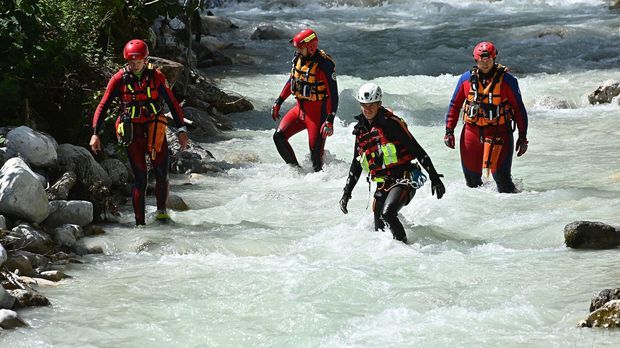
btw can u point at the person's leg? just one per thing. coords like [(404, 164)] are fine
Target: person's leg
[(377, 208), (289, 126), (316, 141), (160, 168), (396, 199), (502, 176), (471, 155), (136, 153)]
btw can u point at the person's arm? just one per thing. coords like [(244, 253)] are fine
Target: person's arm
[(328, 70), (454, 110), (520, 114), (354, 174), (111, 92), (175, 109), (284, 93)]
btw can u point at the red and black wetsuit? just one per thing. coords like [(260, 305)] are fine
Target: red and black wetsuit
[(313, 108), (471, 145), (390, 197), (153, 82)]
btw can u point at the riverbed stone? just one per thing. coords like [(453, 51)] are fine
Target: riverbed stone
[(19, 264), (591, 235), (26, 237), (36, 148), (29, 298), (80, 161), (21, 193), (177, 203), (7, 301), (66, 235), (69, 212), (10, 320), (3, 255), (607, 316), (604, 94), (54, 275), (603, 297)]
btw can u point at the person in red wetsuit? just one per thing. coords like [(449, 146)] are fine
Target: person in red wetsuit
[(491, 102), (141, 125), (313, 84), (386, 150)]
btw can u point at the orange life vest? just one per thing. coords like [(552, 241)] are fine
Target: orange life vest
[(484, 106), (304, 82)]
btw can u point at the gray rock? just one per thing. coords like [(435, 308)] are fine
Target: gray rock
[(69, 212), (117, 171), (217, 24), (607, 316), (54, 276), (20, 264), (36, 148), (61, 188), (604, 94), (591, 235), (3, 225), (79, 160), (21, 194), (85, 247), (10, 320), (25, 237), (603, 297), (37, 261), (175, 202), (615, 4), (29, 298), (203, 124), (3, 255), (93, 230), (269, 32), (6, 300), (65, 235), (171, 69)]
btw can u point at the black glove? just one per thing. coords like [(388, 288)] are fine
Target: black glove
[(521, 145), (344, 201), (437, 186)]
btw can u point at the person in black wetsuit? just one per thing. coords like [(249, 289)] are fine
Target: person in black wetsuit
[(385, 148)]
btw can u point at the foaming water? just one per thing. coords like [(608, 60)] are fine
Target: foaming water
[(266, 258)]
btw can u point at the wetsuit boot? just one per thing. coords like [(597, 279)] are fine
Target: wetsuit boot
[(504, 183)]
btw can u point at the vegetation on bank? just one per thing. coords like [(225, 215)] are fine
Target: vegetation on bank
[(57, 56)]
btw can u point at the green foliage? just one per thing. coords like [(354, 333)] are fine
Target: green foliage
[(57, 56)]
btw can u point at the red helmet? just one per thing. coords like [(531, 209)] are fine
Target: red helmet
[(485, 49), (306, 38), (135, 49)]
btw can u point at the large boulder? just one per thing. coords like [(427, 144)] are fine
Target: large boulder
[(3, 256), (269, 32), (3, 224), (21, 193), (29, 298), (203, 124), (6, 300), (62, 187), (38, 149), (604, 94), (69, 212), (79, 160), (603, 297), (591, 235), (216, 24), (10, 320), (116, 169), (171, 69), (607, 316)]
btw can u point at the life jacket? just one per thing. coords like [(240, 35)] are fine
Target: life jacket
[(484, 106), (139, 95), (378, 155), (304, 82)]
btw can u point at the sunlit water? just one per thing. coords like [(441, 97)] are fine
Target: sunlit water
[(266, 258)]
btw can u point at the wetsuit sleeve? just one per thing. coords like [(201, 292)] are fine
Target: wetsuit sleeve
[(164, 90), (328, 69), (456, 102), (399, 131), (514, 98), (354, 172), (286, 90), (112, 91)]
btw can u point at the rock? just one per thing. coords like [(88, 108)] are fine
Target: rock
[(603, 297), (6, 300), (213, 44), (218, 24), (171, 69), (10, 320), (65, 235), (549, 102), (203, 124), (269, 32), (21, 264), (3, 224), (61, 188), (69, 212), (36, 281), (175, 202), (191, 162), (117, 171), (206, 91), (591, 235), (604, 94), (93, 230), (29, 298), (54, 276), (85, 247), (607, 316), (25, 237), (3, 255), (39, 262), (558, 31), (615, 4), (79, 160), (21, 194), (36, 148)]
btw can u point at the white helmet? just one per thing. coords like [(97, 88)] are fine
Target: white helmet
[(369, 93)]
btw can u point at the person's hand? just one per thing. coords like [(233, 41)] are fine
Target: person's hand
[(344, 201), (95, 143), (437, 187), (448, 139), (521, 145), (183, 140), (327, 129), (275, 109)]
